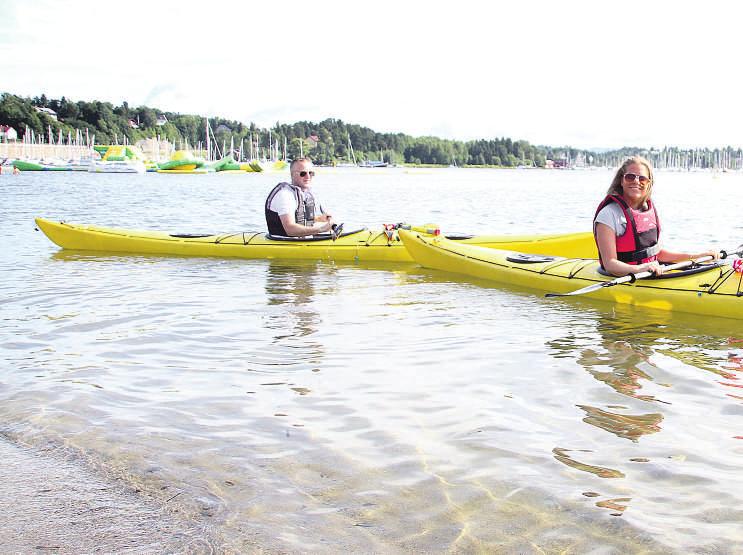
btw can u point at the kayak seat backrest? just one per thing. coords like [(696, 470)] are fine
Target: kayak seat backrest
[(458, 236), (318, 237)]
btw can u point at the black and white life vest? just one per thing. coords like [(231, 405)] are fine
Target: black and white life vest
[(305, 214)]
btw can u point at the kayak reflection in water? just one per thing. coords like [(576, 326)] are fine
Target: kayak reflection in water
[(292, 209), (627, 228)]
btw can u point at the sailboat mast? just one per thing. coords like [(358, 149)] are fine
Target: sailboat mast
[(208, 143)]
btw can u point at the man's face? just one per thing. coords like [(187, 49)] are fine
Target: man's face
[(302, 175)]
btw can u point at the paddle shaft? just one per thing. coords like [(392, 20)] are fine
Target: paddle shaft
[(677, 266)]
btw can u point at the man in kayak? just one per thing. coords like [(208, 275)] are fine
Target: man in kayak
[(292, 210), (627, 228)]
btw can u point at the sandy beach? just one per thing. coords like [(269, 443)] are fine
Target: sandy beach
[(53, 504)]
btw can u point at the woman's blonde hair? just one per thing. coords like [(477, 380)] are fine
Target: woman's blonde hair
[(616, 185)]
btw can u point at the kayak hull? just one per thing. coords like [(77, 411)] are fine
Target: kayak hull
[(716, 291), (362, 245)]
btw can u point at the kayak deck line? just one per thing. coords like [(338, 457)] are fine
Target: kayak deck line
[(557, 262)]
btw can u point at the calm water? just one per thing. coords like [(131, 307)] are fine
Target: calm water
[(315, 407)]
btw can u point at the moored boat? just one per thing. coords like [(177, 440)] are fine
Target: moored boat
[(714, 289), (361, 245)]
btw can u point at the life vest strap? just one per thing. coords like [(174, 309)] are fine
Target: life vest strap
[(639, 256)]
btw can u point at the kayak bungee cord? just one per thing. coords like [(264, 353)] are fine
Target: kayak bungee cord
[(578, 265), (575, 272), (253, 235), (737, 268)]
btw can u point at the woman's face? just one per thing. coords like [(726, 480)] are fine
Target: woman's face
[(635, 184)]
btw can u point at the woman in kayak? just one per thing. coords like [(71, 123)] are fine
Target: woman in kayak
[(291, 208), (626, 225)]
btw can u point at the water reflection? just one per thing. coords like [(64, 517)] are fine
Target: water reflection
[(622, 425), (619, 366), (659, 372), (294, 316), (292, 286), (622, 348), (563, 456)]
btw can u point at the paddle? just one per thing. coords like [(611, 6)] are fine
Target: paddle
[(632, 278)]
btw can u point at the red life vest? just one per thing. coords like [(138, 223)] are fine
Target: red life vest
[(640, 241)]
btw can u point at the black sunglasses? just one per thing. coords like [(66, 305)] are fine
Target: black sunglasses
[(304, 173)]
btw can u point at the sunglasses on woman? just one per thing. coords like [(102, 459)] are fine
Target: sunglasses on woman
[(631, 177), (304, 173)]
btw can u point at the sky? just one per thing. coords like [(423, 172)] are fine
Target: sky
[(584, 73)]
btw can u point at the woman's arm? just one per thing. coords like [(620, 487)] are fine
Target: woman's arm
[(671, 256)]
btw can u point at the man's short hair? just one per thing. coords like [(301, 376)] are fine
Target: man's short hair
[(297, 161)]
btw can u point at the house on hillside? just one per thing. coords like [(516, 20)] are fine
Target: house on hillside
[(7, 133), (48, 111), (161, 120)]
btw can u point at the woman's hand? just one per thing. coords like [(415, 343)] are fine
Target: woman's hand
[(653, 266), (714, 254)]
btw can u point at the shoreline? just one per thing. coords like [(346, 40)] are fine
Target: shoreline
[(52, 503)]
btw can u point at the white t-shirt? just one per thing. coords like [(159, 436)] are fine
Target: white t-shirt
[(613, 216), (285, 202)]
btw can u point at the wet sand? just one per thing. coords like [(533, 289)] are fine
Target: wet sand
[(52, 504)]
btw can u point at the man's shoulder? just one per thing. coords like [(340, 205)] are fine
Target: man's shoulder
[(282, 189)]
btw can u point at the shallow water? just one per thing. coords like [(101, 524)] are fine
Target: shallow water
[(317, 407)]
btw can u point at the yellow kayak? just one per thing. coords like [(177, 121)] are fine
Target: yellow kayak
[(714, 289), (361, 245)]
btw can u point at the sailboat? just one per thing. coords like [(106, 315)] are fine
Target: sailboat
[(374, 163)]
